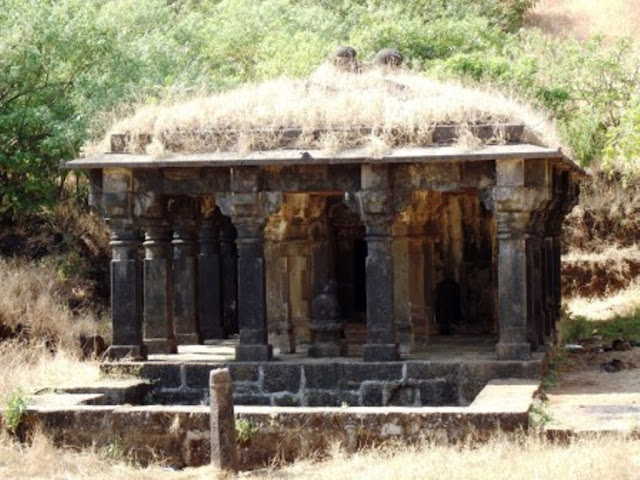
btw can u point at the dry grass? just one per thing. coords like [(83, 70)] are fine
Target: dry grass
[(400, 107), (30, 367), (41, 460), (619, 304), (499, 459), (584, 18), (36, 296)]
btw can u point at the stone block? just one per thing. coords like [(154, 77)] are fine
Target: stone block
[(429, 370), (360, 372), (349, 398), (197, 375), (165, 375), (403, 395), (286, 400), (438, 393), (244, 372), (281, 377), (321, 375), (322, 398), (241, 399), (371, 394)]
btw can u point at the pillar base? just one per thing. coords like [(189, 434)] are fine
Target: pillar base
[(381, 352), (161, 345), (254, 353), (327, 350), (127, 352), (513, 351), (188, 339)]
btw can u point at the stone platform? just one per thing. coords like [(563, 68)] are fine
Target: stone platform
[(451, 371)]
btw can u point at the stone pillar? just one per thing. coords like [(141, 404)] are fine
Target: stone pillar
[(185, 273), (522, 190), (158, 322), (209, 287), (228, 276), (126, 292), (375, 203), (280, 328), (224, 453), (249, 211)]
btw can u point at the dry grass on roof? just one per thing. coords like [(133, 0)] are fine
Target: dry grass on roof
[(332, 110)]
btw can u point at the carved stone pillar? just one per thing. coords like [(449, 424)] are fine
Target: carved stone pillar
[(249, 212), (376, 212), (185, 273), (158, 322), (209, 287), (126, 292), (228, 275), (522, 190)]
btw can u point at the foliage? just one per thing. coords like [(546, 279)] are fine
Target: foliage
[(67, 67), (590, 88), (245, 430), (576, 328), (15, 411)]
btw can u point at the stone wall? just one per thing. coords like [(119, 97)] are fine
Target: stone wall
[(180, 436), (353, 383)]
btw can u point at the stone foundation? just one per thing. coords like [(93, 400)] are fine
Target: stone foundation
[(328, 383)]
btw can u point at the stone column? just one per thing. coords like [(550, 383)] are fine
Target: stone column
[(185, 273), (522, 189), (158, 322), (228, 276), (209, 287), (126, 292), (249, 211), (376, 212)]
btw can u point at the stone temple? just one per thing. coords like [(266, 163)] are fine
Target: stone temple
[(337, 272)]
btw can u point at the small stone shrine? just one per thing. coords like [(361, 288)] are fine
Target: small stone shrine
[(368, 241)]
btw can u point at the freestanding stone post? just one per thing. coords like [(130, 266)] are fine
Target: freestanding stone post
[(224, 454), (126, 292), (376, 212)]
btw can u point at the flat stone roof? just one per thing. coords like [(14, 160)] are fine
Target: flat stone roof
[(316, 157)]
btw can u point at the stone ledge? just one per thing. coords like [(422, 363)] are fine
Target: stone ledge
[(179, 435)]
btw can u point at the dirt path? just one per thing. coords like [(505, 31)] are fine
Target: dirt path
[(589, 398)]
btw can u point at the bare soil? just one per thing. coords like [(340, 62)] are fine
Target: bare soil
[(586, 397)]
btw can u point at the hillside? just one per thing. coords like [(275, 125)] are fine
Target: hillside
[(584, 18)]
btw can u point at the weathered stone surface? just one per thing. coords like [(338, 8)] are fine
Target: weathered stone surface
[(224, 453), (321, 375), (359, 372), (281, 378), (244, 372)]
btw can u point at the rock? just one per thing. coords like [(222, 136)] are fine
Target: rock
[(620, 345)]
